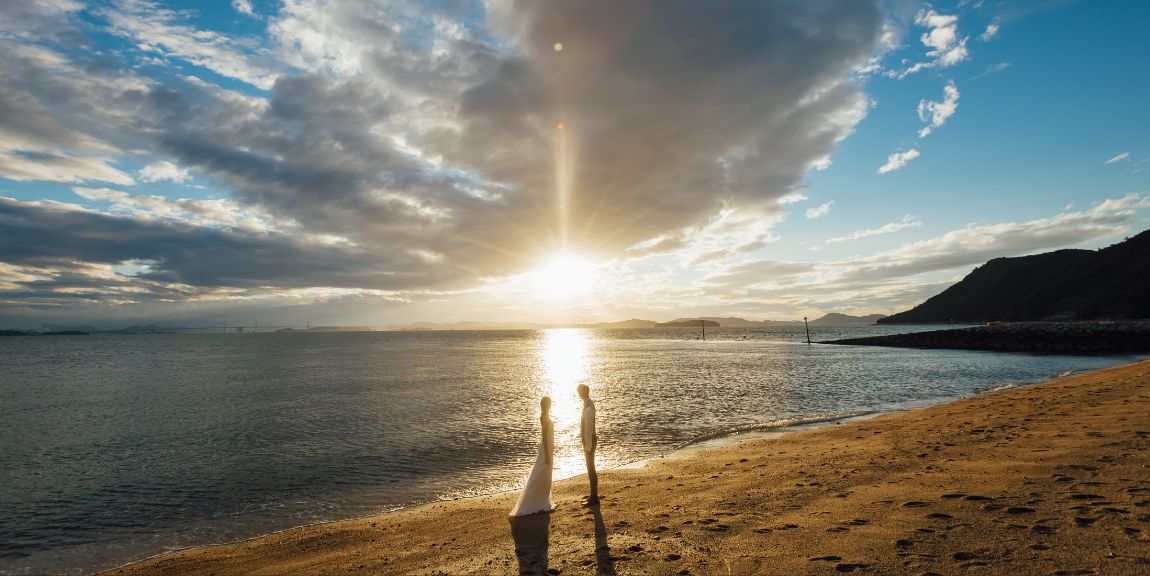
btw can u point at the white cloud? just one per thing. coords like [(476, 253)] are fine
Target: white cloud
[(156, 29), (936, 113), (993, 69), (792, 198), (978, 243), (163, 170), (1118, 158), (946, 47), (209, 213), (908, 221), (820, 211), (243, 7), (897, 160), (26, 166), (991, 32)]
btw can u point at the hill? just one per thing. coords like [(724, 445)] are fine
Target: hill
[(836, 319), (1107, 284)]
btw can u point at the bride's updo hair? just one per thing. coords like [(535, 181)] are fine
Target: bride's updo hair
[(545, 404)]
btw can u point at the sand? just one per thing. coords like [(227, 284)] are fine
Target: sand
[(1047, 479)]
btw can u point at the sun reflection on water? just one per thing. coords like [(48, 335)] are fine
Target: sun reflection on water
[(563, 362)]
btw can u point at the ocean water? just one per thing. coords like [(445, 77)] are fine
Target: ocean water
[(115, 448)]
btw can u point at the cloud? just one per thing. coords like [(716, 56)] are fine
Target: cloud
[(907, 222), (897, 160), (420, 138), (213, 213), (895, 279), (819, 211), (992, 69), (760, 272), (978, 243), (945, 47), (24, 166), (243, 7), (936, 113), (1120, 157), (990, 33), (162, 31), (196, 256), (162, 170)]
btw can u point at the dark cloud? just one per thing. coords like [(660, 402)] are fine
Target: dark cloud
[(674, 110), (44, 236)]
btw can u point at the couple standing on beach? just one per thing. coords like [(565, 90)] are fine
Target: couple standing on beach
[(536, 495)]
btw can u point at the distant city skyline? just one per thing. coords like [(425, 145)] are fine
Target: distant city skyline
[(507, 161)]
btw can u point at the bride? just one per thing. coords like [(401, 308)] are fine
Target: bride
[(536, 495)]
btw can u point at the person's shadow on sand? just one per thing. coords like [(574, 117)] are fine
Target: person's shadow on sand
[(606, 566), (531, 533)]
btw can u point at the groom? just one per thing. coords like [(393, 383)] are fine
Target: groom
[(590, 440)]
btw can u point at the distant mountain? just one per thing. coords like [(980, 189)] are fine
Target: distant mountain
[(66, 328), (836, 319), (329, 329), (688, 324), (632, 323), (832, 319), (732, 322), (467, 325), (1111, 283)]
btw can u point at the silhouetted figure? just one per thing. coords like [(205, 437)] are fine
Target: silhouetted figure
[(536, 496), (590, 440)]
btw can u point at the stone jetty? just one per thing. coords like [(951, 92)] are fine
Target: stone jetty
[(1085, 338)]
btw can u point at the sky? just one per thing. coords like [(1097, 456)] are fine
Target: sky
[(381, 163)]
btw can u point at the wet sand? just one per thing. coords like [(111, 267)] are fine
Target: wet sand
[(1047, 479)]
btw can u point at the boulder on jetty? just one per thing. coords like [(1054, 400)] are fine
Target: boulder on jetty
[(1079, 338)]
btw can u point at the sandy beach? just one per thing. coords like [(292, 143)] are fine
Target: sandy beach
[(1047, 479)]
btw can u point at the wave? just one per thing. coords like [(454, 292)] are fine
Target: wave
[(773, 425)]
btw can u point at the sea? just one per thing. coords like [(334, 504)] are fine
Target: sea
[(114, 448)]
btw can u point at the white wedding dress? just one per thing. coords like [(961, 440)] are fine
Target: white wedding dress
[(536, 496)]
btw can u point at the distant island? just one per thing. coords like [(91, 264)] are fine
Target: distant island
[(830, 319), (1112, 283)]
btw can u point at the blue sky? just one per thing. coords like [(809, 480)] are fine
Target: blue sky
[(395, 161)]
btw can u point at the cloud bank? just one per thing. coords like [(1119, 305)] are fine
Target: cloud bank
[(407, 146)]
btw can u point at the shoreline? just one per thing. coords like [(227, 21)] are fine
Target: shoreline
[(420, 521), (717, 440)]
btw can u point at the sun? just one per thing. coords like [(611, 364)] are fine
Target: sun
[(563, 278)]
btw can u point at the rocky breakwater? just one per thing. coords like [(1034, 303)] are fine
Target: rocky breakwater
[(1086, 338)]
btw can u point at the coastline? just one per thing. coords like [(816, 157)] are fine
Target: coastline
[(1080, 338), (718, 513)]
